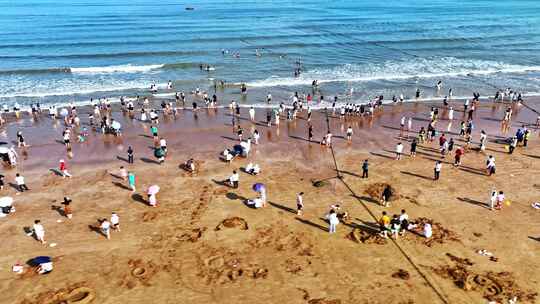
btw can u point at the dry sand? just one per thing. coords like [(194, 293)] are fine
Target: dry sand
[(203, 245)]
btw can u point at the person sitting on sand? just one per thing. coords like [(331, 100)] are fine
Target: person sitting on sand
[(255, 203), (45, 268), (227, 156), (427, 231), (233, 179), (190, 165), (253, 169)]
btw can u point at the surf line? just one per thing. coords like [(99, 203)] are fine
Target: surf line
[(407, 257)]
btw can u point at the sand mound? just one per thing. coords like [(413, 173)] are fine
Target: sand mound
[(362, 236), (73, 294), (192, 236), (233, 222), (493, 286), (401, 274), (375, 191)]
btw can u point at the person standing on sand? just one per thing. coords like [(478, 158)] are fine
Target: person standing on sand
[(404, 222), (310, 133), (154, 131), (414, 143), (500, 200), (131, 181), (457, 157), (399, 151), (349, 134), (333, 220), (240, 133), (269, 118), (492, 199), (328, 139), (252, 114), (299, 203), (19, 181), (384, 224), (39, 231), (437, 170), (365, 169), (130, 155), (386, 196), (395, 226)]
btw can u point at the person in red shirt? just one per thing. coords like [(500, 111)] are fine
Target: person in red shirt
[(457, 158), (63, 169)]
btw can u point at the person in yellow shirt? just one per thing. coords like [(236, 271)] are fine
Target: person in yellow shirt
[(384, 223)]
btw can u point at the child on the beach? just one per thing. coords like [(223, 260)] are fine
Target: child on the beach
[(299, 203), (115, 221), (131, 181)]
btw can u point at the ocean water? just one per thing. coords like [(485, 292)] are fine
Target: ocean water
[(59, 51)]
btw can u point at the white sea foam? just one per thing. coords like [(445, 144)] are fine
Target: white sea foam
[(418, 68), (126, 68)]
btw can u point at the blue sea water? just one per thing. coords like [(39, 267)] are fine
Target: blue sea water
[(58, 51)]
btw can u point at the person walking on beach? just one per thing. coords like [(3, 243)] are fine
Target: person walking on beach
[(299, 203), (130, 155), (19, 181), (399, 150), (269, 118), (39, 231), (68, 212), (437, 170), (490, 165), (131, 181), (457, 157), (328, 139), (20, 140), (333, 220), (513, 145), (365, 169), (310, 133)]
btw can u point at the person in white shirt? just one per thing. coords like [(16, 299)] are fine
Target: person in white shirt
[(404, 220), (451, 113), (299, 203), (252, 114), (115, 221), (399, 151), (437, 170), (328, 139), (256, 137), (106, 228), (333, 220), (45, 268), (500, 200), (163, 144), (492, 199), (39, 231), (21, 185), (234, 179), (349, 133)]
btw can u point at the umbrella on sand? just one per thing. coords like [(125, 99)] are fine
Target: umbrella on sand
[(153, 190), (116, 125), (258, 187), (6, 201), (39, 260)]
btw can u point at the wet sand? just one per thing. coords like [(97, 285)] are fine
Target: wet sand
[(181, 252)]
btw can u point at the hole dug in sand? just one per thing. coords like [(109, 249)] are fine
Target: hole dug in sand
[(233, 222)]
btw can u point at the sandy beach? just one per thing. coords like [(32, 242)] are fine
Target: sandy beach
[(202, 244)]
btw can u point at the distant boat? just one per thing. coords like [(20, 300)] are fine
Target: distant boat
[(190, 8)]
